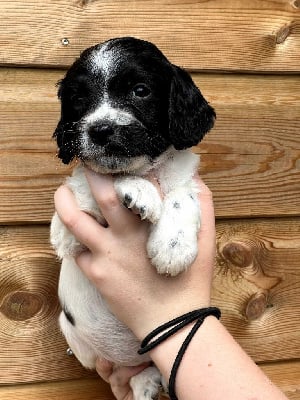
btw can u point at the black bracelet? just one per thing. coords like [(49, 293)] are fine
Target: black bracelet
[(171, 328)]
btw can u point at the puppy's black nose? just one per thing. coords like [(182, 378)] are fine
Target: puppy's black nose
[(100, 133)]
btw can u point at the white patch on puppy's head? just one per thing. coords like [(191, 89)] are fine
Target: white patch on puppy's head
[(103, 59)]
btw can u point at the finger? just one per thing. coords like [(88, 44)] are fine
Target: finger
[(203, 188), (85, 228), (207, 233), (122, 375), (118, 217), (120, 380), (84, 261), (104, 368), (207, 208)]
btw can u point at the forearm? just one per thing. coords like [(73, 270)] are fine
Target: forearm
[(214, 367)]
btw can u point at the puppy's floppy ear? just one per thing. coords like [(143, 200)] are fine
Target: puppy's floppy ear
[(190, 115), (64, 135)]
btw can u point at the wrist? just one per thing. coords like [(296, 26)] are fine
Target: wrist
[(164, 316), (194, 320), (164, 355)]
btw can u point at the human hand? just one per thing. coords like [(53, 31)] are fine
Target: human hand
[(118, 265), (119, 377)]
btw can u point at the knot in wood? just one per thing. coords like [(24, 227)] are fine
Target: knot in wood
[(84, 3), (21, 305), (282, 34), (256, 306), (237, 253)]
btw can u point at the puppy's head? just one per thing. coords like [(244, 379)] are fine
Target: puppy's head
[(123, 104)]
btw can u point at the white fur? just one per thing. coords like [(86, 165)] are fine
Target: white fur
[(103, 59), (146, 384), (106, 112), (172, 247), (140, 196)]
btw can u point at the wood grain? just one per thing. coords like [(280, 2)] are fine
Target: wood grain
[(32, 348), (231, 35), (250, 159), (80, 389), (285, 375), (256, 285)]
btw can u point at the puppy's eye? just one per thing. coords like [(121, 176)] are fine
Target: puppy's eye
[(141, 90), (77, 99)]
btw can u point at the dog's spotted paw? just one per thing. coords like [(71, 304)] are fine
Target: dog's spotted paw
[(173, 242), (146, 384), (172, 252), (140, 196)]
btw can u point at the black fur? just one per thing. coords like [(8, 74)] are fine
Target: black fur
[(173, 111), (190, 116), (69, 316)]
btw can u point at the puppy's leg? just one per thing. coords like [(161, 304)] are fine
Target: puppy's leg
[(64, 243), (172, 245), (140, 196), (80, 348), (146, 384)]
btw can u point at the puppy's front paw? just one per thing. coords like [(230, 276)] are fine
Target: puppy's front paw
[(140, 196), (146, 384), (172, 251), (173, 242)]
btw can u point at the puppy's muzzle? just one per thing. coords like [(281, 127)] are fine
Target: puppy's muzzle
[(100, 133)]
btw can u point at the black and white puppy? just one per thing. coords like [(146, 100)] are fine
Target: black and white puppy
[(126, 110)]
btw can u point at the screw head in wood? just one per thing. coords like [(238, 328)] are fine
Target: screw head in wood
[(65, 41)]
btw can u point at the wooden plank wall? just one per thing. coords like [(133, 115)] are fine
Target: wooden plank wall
[(245, 57)]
